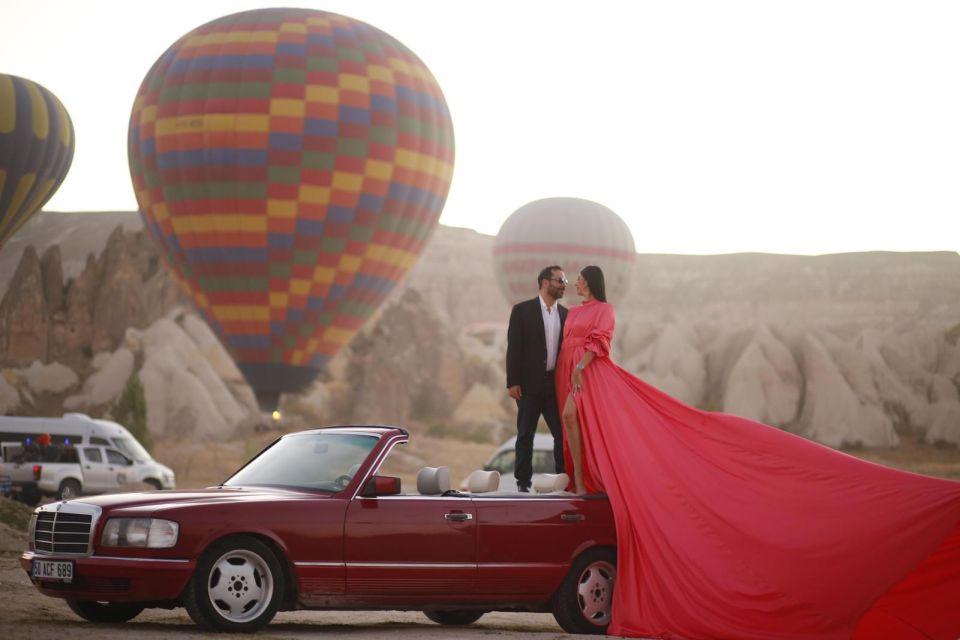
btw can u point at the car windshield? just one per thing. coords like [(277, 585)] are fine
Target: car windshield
[(132, 448), (324, 461)]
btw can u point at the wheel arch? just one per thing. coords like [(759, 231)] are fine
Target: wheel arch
[(582, 549), (277, 547), (68, 478), (590, 545)]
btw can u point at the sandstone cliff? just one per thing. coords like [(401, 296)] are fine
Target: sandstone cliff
[(854, 349)]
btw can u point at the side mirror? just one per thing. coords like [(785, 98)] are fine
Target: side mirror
[(381, 486)]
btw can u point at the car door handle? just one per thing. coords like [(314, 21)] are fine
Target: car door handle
[(573, 517), (458, 517)]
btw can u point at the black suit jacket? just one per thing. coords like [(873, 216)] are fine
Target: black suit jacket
[(527, 346)]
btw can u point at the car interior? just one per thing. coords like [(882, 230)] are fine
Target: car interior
[(435, 481)]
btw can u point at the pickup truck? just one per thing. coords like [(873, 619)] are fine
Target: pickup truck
[(58, 471)]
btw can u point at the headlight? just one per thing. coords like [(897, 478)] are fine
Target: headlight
[(32, 529), (150, 533)]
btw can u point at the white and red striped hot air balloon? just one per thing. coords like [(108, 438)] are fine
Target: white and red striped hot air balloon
[(570, 232)]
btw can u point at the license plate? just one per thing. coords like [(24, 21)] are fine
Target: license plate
[(52, 570)]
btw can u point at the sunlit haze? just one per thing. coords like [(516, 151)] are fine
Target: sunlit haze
[(710, 127)]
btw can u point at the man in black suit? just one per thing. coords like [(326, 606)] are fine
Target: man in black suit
[(533, 344)]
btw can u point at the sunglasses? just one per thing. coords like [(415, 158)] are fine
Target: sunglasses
[(560, 280)]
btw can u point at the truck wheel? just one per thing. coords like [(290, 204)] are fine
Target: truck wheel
[(154, 484), (454, 618), (237, 586), (583, 602), (105, 611), (69, 489)]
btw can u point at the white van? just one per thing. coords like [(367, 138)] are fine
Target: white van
[(108, 455)]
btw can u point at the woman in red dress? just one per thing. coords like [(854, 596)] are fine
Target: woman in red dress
[(729, 528)]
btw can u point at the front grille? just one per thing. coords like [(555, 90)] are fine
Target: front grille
[(62, 532)]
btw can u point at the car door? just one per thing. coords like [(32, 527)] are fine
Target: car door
[(526, 542), (96, 475), (410, 545), (119, 468)]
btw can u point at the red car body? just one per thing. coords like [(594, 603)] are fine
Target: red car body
[(347, 549)]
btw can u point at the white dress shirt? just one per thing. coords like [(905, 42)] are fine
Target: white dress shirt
[(551, 329)]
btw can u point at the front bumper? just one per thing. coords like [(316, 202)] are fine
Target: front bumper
[(113, 579)]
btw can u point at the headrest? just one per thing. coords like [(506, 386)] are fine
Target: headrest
[(550, 482), (432, 481), (481, 481)]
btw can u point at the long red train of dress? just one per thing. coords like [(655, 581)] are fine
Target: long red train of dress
[(729, 528)]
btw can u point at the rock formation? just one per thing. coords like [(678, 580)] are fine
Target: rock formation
[(833, 412), (765, 384), (24, 318), (408, 365), (855, 349)]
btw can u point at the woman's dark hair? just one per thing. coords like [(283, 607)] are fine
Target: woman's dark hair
[(594, 277)]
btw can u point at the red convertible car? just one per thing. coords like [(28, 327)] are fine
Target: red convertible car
[(309, 524)]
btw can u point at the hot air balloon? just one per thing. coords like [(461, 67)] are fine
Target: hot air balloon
[(36, 148), (293, 164), (570, 232)]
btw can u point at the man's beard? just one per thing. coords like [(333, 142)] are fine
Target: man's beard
[(556, 292)]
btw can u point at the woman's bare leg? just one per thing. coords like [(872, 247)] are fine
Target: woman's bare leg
[(572, 425)]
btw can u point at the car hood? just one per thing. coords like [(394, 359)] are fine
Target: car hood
[(213, 495)]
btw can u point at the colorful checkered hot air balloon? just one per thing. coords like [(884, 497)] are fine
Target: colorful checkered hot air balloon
[(36, 148), (293, 164), (569, 232)]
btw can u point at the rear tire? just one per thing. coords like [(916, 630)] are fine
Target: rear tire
[(105, 611), (454, 618), (583, 602), (237, 587), (69, 489)]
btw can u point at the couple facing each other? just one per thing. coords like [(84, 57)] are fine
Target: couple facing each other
[(534, 339), (726, 527)]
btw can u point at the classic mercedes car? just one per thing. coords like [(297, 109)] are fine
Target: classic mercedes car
[(310, 524)]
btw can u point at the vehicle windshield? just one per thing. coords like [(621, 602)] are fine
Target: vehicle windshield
[(324, 461), (132, 448)]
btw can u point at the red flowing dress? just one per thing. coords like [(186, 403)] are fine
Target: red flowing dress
[(729, 528)]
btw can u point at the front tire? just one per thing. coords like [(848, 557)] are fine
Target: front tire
[(454, 618), (154, 484), (583, 602), (69, 489), (105, 611), (237, 586)]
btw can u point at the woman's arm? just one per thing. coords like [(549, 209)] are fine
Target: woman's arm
[(577, 378)]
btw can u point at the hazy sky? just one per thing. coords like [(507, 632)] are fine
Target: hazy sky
[(710, 127)]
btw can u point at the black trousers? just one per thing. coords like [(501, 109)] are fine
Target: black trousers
[(530, 407)]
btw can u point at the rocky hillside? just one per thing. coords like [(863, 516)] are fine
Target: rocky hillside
[(854, 349)]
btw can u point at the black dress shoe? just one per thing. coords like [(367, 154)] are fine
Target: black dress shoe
[(523, 489)]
